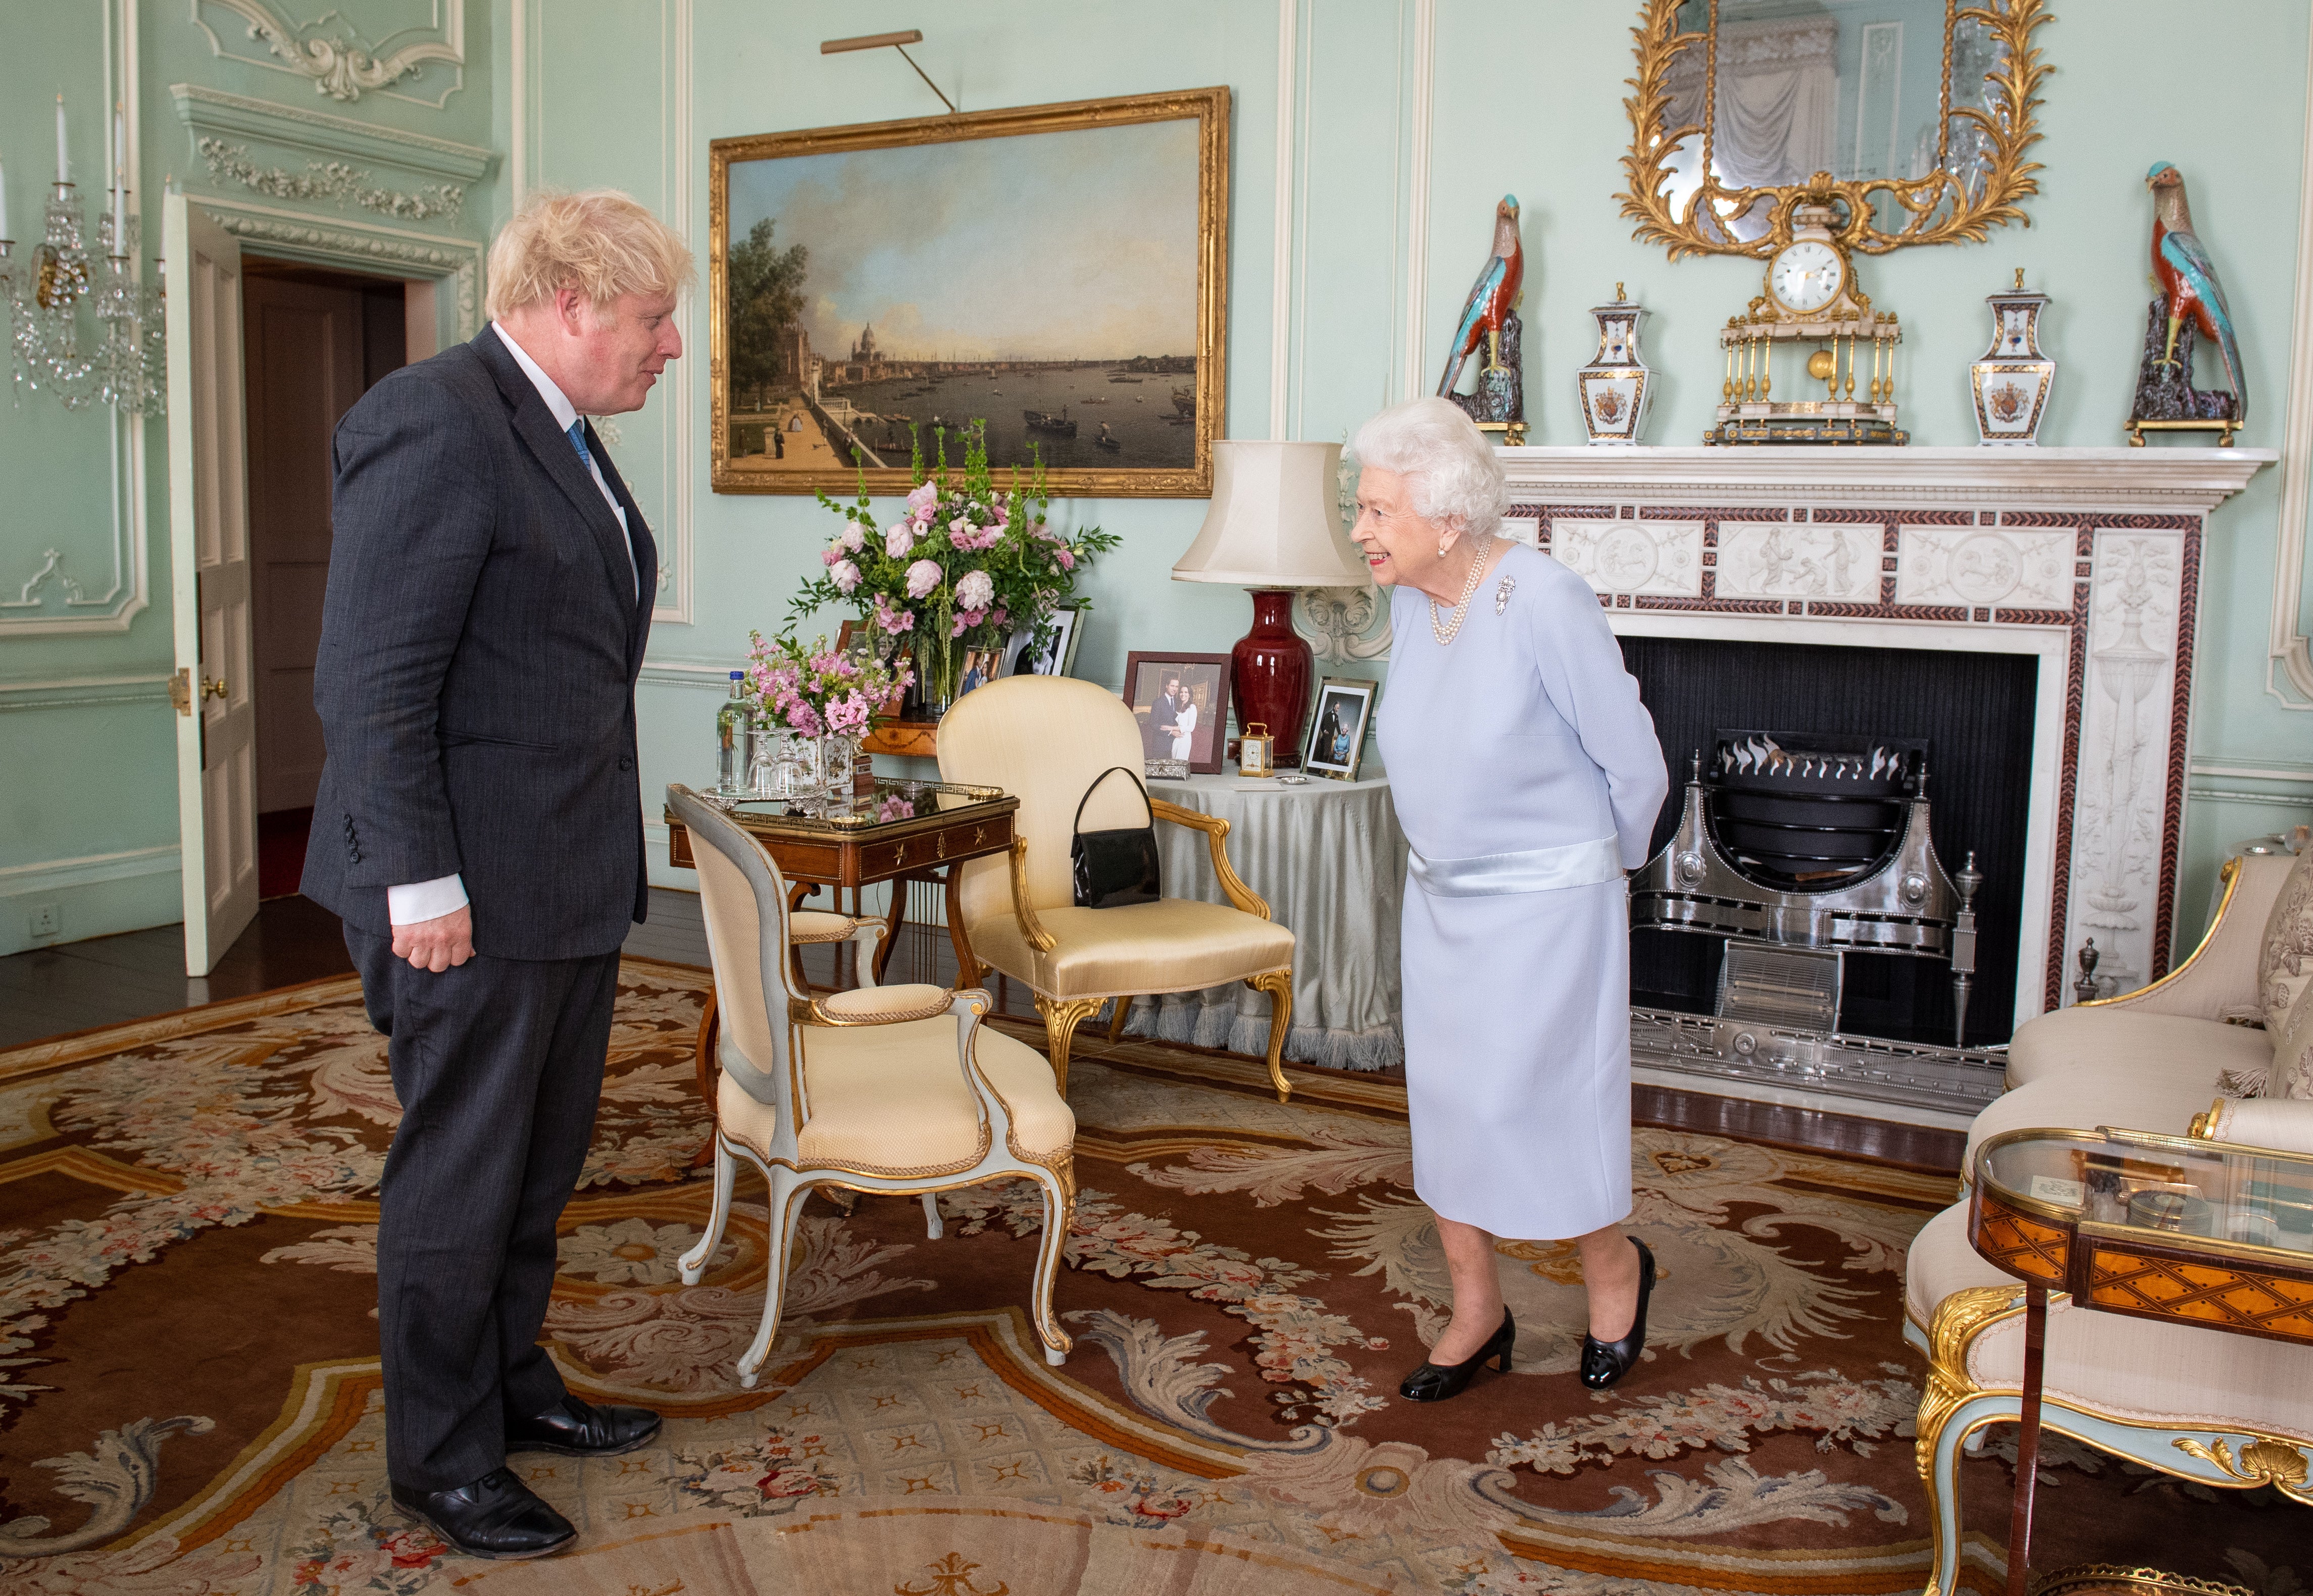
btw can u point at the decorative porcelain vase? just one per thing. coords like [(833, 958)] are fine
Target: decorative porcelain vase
[(2011, 382), (1616, 387)]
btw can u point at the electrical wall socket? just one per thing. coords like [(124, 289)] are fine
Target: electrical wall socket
[(47, 919)]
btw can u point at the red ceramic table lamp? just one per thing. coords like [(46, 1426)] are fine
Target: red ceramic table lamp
[(1274, 526)]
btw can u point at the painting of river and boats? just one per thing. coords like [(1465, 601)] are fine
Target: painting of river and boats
[(1055, 272)]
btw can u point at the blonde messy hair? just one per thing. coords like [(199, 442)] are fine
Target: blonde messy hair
[(600, 243)]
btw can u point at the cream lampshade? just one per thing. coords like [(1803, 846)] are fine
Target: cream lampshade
[(1274, 525)]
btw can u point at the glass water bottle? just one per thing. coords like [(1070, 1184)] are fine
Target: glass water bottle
[(734, 738)]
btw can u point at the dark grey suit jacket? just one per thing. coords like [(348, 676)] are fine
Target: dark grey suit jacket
[(480, 644)]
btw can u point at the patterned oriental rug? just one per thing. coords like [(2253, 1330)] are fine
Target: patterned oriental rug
[(189, 1396)]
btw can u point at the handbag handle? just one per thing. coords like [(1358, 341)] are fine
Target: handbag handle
[(1076, 825)]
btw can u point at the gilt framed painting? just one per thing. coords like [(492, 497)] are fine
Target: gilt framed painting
[(1056, 272)]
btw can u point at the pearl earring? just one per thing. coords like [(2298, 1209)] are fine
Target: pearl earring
[(1441, 550)]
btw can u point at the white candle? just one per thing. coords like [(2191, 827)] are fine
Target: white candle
[(3, 202), (120, 182), (64, 167)]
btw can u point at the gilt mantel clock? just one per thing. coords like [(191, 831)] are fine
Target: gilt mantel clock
[(1810, 295)]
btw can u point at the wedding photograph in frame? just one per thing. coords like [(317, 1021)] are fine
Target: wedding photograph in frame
[(1058, 272), (1336, 727), (1182, 702)]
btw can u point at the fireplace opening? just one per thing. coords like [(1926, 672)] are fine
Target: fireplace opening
[(1965, 718)]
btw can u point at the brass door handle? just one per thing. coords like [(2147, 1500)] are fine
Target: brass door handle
[(212, 690)]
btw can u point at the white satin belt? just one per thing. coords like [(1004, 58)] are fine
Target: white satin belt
[(1533, 870)]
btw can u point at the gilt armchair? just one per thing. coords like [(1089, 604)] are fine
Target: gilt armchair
[(881, 1089), (1044, 739)]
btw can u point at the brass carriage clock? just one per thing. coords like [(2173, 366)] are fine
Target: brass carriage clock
[(1811, 294)]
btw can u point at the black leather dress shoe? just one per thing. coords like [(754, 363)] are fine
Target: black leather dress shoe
[(1605, 1362), (1435, 1382), (579, 1429), (494, 1516)]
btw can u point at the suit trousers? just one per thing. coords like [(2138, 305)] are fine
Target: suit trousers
[(498, 1065)]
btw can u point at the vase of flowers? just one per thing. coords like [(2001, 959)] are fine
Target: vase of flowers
[(822, 696), (965, 566)]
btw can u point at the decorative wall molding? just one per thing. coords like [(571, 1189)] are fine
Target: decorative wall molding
[(688, 673), (674, 603), (1414, 378), (74, 692), (328, 181), (362, 245), (87, 870), (1948, 549), (2289, 671), (1281, 294), (338, 60), (218, 114)]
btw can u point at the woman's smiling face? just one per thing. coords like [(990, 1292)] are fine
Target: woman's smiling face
[(1400, 546)]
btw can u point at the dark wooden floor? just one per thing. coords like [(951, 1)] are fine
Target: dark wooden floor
[(115, 978)]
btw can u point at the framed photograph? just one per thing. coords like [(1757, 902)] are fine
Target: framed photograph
[(1182, 703), (1056, 654), (1057, 271), (1337, 731), (980, 666)]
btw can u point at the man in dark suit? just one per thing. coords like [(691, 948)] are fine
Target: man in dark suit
[(479, 828)]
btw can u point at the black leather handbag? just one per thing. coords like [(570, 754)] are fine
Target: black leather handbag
[(1116, 868)]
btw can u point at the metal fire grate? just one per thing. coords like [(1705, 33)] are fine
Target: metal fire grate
[(1780, 985)]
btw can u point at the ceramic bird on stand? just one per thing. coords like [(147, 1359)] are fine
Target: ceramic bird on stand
[(2191, 300), (1490, 329)]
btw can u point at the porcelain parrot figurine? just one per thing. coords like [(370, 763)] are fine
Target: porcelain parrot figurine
[(1491, 297), (2188, 278)]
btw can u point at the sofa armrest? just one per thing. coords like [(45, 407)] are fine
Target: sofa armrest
[(2218, 980), (2283, 1124)]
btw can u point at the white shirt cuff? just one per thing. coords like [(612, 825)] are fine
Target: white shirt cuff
[(425, 901)]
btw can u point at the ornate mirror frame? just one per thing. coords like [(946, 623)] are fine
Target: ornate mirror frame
[(1937, 207)]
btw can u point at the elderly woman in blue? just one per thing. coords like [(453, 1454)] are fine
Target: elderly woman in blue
[(1528, 777)]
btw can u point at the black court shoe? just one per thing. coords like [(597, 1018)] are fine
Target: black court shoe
[(579, 1429), (1435, 1382), (494, 1516), (1605, 1362)]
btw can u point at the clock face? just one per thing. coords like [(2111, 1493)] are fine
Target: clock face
[(1806, 275)]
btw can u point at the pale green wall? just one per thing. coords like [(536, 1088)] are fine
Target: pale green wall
[(1527, 98), (88, 802)]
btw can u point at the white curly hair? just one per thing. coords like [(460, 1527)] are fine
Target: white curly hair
[(1455, 478)]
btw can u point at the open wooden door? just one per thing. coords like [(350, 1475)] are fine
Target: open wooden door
[(208, 563)]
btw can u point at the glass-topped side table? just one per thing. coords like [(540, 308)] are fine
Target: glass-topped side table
[(2158, 1227)]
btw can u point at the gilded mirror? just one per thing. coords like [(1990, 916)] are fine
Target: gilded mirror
[(1915, 114)]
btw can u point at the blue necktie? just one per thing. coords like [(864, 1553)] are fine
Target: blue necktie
[(578, 435)]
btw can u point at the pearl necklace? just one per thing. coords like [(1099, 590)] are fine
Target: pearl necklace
[(1452, 630)]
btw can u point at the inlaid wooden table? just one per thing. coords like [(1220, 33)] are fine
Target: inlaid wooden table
[(2199, 1233), (898, 831)]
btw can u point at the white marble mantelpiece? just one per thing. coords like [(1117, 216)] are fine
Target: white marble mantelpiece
[(2195, 480), (2088, 560)]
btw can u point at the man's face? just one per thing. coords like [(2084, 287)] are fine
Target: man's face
[(613, 353)]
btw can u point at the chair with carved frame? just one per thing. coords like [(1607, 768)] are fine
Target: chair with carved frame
[(881, 1089), (1045, 740)]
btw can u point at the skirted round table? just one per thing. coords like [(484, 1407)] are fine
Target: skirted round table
[(1331, 861)]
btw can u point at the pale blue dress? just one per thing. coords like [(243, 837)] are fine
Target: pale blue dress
[(1523, 733)]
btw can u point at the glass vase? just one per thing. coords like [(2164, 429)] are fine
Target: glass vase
[(939, 662)]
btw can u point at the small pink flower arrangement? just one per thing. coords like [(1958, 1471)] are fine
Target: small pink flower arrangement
[(814, 691)]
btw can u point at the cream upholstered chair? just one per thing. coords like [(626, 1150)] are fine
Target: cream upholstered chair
[(1045, 740), (890, 1088)]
